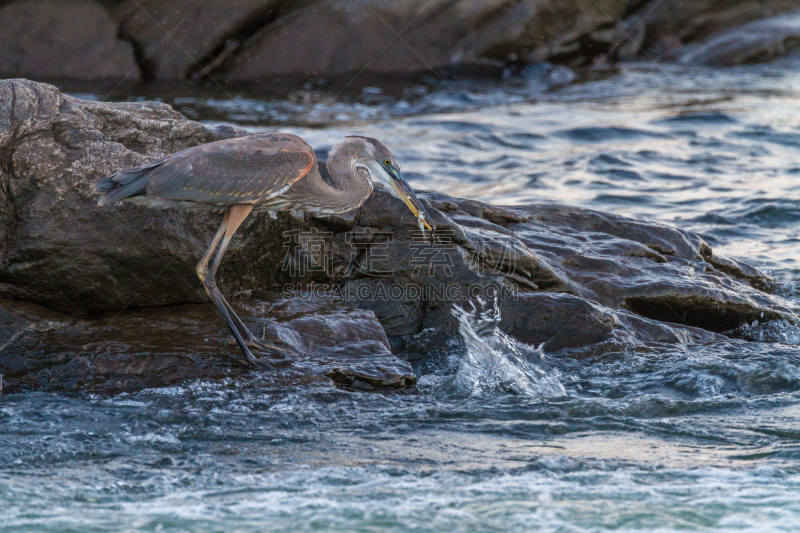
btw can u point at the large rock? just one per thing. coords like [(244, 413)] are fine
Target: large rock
[(68, 39), (347, 37), (607, 262), (264, 40), (179, 39)]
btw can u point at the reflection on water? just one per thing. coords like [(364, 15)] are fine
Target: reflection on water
[(689, 437)]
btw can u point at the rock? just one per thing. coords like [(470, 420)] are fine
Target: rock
[(654, 271), (348, 37), (757, 41), (669, 24), (347, 345), (602, 330), (44, 350), (257, 40), (181, 38), (38, 39), (254, 40)]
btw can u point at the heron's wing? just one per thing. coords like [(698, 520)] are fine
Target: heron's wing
[(236, 171)]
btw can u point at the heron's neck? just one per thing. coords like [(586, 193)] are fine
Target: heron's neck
[(351, 187)]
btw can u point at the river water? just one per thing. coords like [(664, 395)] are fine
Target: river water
[(500, 437)]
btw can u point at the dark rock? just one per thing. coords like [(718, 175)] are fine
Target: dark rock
[(45, 350), (249, 40), (345, 344), (182, 38), (69, 39), (267, 40), (258, 40), (558, 317), (346, 37), (757, 41), (484, 251)]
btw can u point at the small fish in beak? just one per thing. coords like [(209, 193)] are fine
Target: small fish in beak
[(406, 193)]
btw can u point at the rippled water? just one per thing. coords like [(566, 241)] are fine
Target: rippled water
[(500, 437)]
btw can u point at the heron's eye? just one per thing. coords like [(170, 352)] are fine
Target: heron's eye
[(387, 162)]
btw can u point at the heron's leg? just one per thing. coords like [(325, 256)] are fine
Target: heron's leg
[(202, 266), (202, 272), (230, 224)]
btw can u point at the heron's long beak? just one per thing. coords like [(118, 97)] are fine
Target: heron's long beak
[(406, 193)]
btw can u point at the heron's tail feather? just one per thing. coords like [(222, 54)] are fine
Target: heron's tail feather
[(125, 183), (113, 191)]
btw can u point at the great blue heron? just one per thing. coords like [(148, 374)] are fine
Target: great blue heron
[(268, 172)]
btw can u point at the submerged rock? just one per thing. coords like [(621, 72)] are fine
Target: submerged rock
[(582, 282), (668, 25), (757, 41)]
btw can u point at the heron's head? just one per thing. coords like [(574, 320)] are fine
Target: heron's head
[(372, 157)]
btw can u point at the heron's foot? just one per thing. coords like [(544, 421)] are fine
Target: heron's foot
[(260, 364), (254, 362), (277, 355), (273, 351)]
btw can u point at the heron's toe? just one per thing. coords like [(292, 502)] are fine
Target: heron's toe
[(272, 350), (270, 365)]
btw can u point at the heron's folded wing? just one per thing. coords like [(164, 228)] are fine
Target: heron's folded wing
[(227, 177)]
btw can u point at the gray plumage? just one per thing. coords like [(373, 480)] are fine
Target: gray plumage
[(248, 170)]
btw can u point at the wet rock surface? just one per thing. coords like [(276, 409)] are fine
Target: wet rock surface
[(333, 345), (482, 251), (580, 282)]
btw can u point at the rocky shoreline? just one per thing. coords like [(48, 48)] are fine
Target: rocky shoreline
[(107, 299), (261, 41)]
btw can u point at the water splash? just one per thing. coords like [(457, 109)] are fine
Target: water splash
[(497, 363)]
